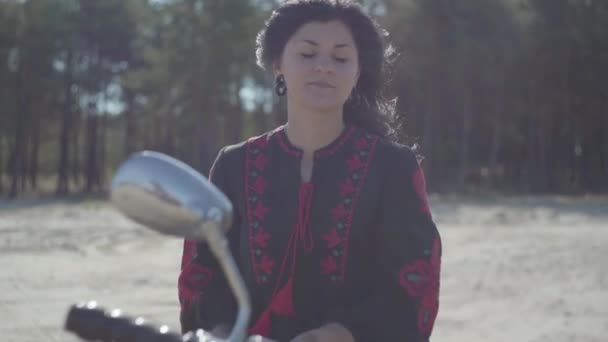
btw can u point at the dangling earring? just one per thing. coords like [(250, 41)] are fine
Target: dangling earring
[(280, 87)]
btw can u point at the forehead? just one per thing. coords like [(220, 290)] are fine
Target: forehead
[(324, 33)]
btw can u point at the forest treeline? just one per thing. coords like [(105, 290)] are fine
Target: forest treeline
[(502, 95)]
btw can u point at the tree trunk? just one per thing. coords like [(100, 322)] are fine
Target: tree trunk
[(578, 127), (260, 120), (75, 168), (91, 153), (146, 132), (34, 148), (207, 135), (597, 89), (129, 133), (130, 139), (573, 104), (101, 165), (23, 162), (437, 73), (208, 145), (532, 158), (170, 137), (1, 164), (17, 151), (428, 130), (157, 141), (542, 177), (63, 187), (565, 154), (235, 121), (18, 154), (496, 140), (605, 154), (465, 138)]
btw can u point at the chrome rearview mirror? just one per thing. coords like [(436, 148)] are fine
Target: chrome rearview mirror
[(170, 197)]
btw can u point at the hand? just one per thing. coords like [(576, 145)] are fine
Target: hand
[(221, 331), (307, 336), (333, 332)]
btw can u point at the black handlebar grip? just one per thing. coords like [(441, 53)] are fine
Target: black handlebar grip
[(93, 323), (87, 321)]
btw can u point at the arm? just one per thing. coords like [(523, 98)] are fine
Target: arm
[(205, 297), (404, 303)]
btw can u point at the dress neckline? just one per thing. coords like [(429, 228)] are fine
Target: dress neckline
[(322, 152)]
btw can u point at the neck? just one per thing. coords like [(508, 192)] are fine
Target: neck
[(311, 131)]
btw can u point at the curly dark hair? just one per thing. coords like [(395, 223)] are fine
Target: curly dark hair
[(369, 106)]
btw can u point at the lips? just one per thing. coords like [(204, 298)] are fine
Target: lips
[(321, 84)]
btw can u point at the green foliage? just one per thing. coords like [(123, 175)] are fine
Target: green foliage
[(501, 94)]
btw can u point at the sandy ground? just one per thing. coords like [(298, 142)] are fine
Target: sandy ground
[(514, 269)]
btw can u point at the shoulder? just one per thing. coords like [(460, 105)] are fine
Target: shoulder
[(232, 152), (229, 163), (402, 174), (235, 153), (395, 155)]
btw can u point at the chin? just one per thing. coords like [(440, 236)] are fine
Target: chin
[(323, 107), (321, 104)]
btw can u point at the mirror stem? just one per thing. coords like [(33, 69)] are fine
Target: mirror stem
[(218, 243)]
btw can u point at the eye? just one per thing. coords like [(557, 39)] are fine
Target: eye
[(307, 55), (340, 60)]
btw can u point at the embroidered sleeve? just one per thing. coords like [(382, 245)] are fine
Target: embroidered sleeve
[(405, 298), (203, 291)]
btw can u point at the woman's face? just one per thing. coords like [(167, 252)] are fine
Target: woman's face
[(321, 67)]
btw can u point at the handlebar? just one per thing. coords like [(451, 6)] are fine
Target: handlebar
[(91, 322)]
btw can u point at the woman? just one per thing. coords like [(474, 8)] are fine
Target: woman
[(333, 232)]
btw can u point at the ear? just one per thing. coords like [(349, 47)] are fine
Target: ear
[(276, 68)]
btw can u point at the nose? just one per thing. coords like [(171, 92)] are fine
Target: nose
[(324, 65)]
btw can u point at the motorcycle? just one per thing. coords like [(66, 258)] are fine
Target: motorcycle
[(167, 196)]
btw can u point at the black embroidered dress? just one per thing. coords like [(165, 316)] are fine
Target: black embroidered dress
[(355, 245)]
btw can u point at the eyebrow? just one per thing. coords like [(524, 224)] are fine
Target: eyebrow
[(337, 46)]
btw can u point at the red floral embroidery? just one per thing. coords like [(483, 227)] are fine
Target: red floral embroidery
[(266, 264), (427, 314), (416, 278), (260, 162), (347, 187), (339, 212), (338, 144), (256, 185), (259, 142), (281, 137), (259, 185), (329, 265), (260, 211), (420, 279), (261, 238), (332, 238), (337, 238), (193, 278), (191, 282), (354, 163), (362, 143)]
